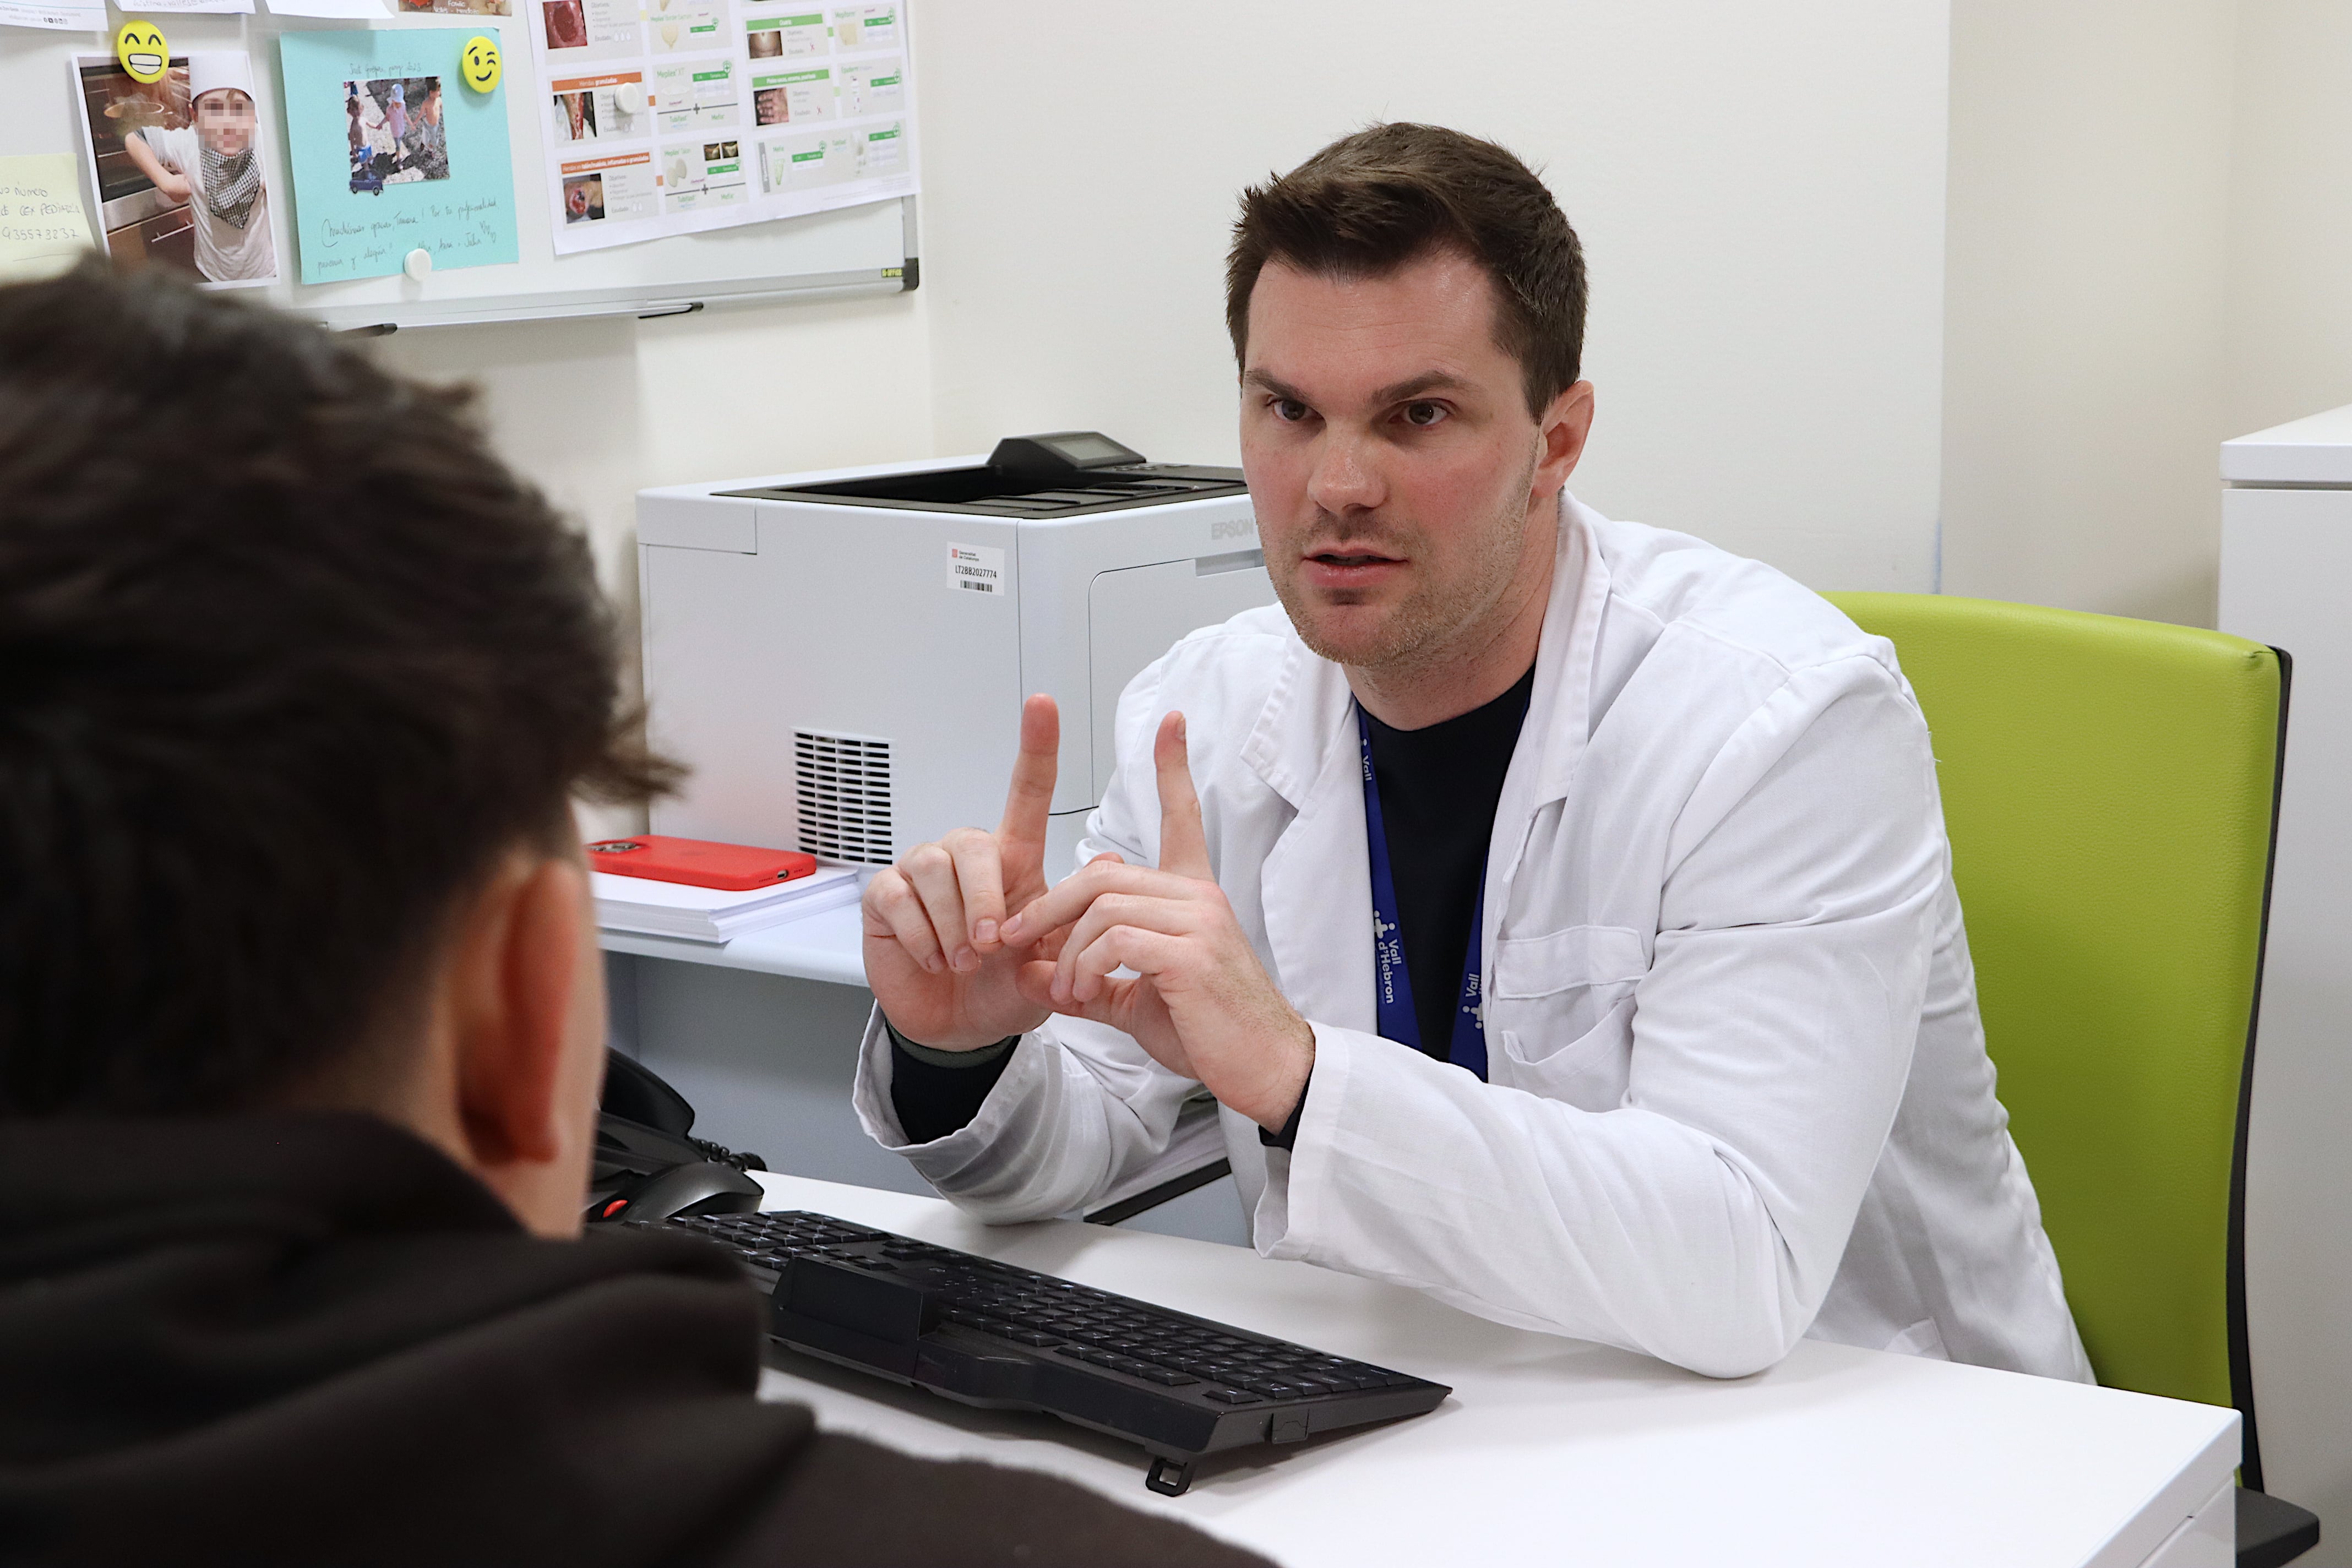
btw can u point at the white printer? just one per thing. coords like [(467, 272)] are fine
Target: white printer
[(841, 657)]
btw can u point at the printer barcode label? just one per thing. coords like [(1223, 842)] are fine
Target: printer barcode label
[(975, 569)]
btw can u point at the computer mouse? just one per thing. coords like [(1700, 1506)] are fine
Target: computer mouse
[(703, 1186)]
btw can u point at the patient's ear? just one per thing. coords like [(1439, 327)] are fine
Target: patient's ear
[(526, 1020)]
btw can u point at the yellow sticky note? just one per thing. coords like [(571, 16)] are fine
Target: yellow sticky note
[(44, 228)]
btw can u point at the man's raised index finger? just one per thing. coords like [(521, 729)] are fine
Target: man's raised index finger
[(1183, 842), (1030, 800)]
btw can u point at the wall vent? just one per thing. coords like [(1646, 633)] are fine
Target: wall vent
[(845, 796)]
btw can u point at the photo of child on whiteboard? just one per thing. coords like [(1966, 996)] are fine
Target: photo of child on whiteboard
[(395, 133), (178, 168)]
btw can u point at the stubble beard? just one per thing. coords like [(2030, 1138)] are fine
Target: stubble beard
[(1441, 619)]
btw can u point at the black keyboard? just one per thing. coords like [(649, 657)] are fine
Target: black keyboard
[(987, 1333)]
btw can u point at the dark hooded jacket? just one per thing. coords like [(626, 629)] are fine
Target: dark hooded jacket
[(313, 1340)]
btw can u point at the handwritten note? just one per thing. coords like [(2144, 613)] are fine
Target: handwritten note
[(445, 187), (42, 226), (370, 247)]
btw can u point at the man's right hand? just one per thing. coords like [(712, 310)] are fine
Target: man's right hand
[(934, 958)]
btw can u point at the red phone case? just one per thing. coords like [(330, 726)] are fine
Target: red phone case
[(698, 862)]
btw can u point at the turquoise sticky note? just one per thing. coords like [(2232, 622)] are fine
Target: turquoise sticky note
[(393, 153)]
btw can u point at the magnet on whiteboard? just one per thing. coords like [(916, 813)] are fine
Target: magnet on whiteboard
[(419, 264), (477, 63), (629, 98), (141, 51)]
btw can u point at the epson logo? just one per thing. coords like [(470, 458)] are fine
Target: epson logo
[(1234, 528)]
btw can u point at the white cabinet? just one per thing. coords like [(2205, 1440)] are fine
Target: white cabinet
[(2286, 576)]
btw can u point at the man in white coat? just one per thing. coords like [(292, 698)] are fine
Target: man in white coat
[(1558, 909)]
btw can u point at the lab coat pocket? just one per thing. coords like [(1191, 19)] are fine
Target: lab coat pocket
[(1581, 958), (1589, 1071), (1562, 1007)]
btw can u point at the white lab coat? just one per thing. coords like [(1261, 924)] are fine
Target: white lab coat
[(1738, 1092)]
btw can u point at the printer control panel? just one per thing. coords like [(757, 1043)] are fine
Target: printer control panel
[(1062, 451)]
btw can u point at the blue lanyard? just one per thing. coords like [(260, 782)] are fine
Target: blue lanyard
[(1392, 986)]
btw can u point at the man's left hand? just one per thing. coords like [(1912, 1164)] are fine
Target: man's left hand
[(1200, 1000)]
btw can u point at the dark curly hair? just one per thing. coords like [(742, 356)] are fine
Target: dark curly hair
[(287, 659)]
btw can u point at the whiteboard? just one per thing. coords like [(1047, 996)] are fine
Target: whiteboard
[(868, 250)]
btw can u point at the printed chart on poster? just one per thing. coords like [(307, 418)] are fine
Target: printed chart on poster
[(677, 116)]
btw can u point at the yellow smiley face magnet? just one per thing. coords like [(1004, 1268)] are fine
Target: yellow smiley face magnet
[(477, 63), (140, 51)]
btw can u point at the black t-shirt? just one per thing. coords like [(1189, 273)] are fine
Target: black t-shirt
[(1439, 787)]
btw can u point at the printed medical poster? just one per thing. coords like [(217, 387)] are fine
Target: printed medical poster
[(231, 8), (392, 153), (43, 228), (675, 116), (360, 10), (178, 163)]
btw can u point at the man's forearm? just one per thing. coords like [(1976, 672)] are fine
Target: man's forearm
[(1621, 1226), (1067, 1118)]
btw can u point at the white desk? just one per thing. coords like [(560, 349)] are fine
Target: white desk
[(1555, 1451), (826, 946)]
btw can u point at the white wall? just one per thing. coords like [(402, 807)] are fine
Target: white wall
[(2150, 235), (2085, 346), (594, 411), (2288, 314), (1761, 199), (1759, 191)]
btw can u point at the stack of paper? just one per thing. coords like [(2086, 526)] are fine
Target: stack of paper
[(649, 908)]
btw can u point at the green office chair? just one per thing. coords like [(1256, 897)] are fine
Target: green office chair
[(2111, 791)]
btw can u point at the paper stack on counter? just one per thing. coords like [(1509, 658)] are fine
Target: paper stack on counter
[(648, 908)]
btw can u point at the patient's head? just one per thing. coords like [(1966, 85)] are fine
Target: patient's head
[(297, 681)]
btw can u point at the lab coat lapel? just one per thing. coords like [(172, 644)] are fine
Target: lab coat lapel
[(1316, 885), (1559, 708), (1317, 880)]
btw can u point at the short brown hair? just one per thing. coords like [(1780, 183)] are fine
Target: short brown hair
[(1388, 195), (291, 658)]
